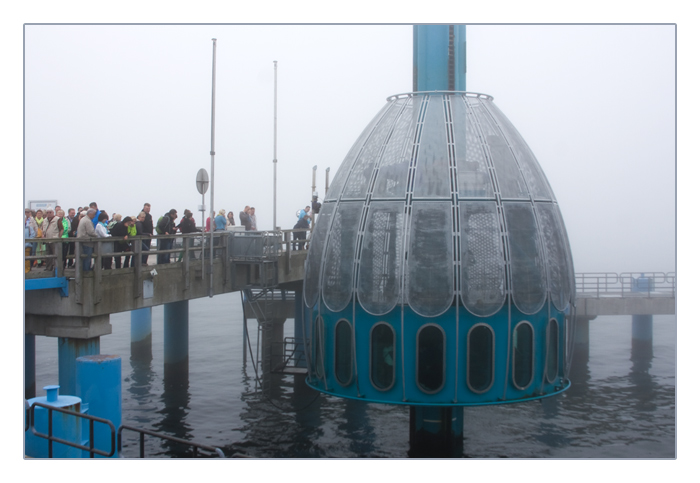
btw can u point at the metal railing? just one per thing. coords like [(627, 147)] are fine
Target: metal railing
[(143, 432), (54, 439), (626, 284), (274, 243), (30, 419)]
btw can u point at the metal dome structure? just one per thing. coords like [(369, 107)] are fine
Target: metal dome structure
[(440, 250), (439, 272)]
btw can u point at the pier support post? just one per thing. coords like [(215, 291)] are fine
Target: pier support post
[(642, 334), (436, 432), (176, 340), (29, 366), (69, 349), (272, 345), (578, 372), (99, 380), (141, 334), (299, 358)]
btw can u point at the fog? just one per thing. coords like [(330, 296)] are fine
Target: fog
[(126, 111)]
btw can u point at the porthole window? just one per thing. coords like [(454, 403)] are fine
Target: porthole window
[(318, 349), (522, 355), (383, 356), (552, 350), (480, 358), (430, 360), (343, 352)]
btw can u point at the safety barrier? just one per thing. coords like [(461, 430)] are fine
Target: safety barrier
[(29, 425), (626, 284)]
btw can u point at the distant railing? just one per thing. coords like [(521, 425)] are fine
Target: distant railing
[(626, 284)]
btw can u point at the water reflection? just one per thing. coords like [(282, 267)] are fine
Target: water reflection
[(175, 399)]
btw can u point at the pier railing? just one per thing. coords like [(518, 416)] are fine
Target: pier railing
[(276, 243), (626, 284)]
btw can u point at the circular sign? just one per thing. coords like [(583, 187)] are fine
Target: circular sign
[(202, 181)]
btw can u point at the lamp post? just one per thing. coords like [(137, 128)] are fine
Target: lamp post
[(274, 159), (211, 199)]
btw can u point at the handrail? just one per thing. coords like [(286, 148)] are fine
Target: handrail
[(287, 243), (91, 448), (626, 284), (143, 432)]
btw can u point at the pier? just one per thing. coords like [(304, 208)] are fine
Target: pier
[(75, 306)]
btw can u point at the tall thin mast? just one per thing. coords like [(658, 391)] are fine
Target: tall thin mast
[(274, 159), (211, 199)]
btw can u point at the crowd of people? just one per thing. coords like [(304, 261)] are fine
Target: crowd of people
[(89, 223)]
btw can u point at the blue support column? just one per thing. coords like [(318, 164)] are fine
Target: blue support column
[(99, 380), (436, 431), (642, 336), (29, 366), (69, 350), (141, 337), (439, 58), (176, 340)]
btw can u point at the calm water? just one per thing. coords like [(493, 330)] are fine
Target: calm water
[(617, 407)]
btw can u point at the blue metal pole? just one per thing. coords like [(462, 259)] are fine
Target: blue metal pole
[(99, 379), (69, 350), (176, 338), (439, 58), (141, 334), (29, 366)]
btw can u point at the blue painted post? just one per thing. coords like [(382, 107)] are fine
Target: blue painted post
[(99, 380), (642, 336), (64, 426), (29, 366), (436, 431), (439, 58), (141, 337), (69, 350), (176, 339)]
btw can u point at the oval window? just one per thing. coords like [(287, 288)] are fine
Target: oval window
[(382, 354), (522, 355), (480, 353), (552, 350), (343, 352), (430, 361)]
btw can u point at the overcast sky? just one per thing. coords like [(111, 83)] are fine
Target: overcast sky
[(131, 105)]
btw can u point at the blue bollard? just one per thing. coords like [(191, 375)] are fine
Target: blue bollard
[(64, 426), (99, 379)]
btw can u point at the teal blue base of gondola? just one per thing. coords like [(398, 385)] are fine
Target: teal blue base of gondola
[(465, 404)]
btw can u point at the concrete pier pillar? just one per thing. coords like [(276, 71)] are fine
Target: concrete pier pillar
[(272, 345), (579, 373), (99, 380), (69, 349), (436, 432), (176, 352), (299, 357), (642, 336), (29, 366), (141, 347)]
